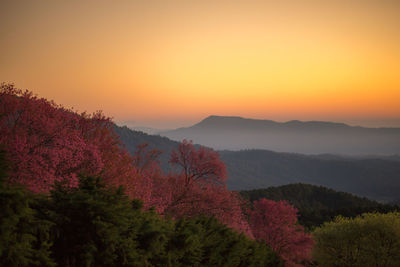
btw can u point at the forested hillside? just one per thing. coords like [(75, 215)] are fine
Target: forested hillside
[(97, 225), (71, 195), (375, 177), (131, 139), (318, 204)]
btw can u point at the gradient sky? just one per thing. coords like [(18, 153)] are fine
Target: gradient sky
[(171, 63)]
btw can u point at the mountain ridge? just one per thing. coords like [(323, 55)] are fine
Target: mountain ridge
[(308, 137), (217, 120)]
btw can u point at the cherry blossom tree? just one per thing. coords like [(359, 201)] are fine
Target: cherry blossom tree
[(198, 188), (276, 224), (46, 142), (200, 165), (147, 173)]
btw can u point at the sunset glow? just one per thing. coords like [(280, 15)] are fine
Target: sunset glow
[(166, 63)]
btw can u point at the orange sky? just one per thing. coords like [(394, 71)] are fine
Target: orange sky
[(171, 63)]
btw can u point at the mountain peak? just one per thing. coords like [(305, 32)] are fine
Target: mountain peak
[(217, 117), (230, 122)]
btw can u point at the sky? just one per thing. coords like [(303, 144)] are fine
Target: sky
[(167, 64)]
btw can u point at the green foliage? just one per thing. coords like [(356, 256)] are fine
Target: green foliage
[(372, 239), (318, 204), (24, 238), (204, 241), (92, 225)]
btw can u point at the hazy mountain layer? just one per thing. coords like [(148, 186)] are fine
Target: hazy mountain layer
[(235, 133)]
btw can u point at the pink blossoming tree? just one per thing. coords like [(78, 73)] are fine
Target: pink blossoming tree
[(276, 224)]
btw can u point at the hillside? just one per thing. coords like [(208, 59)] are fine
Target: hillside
[(313, 137), (374, 177), (317, 204), (131, 139)]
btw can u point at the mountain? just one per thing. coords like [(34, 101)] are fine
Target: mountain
[(318, 204), (374, 177), (313, 137)]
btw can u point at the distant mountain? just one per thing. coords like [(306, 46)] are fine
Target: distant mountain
[(313, 137), (317, 204), (374, 177)]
